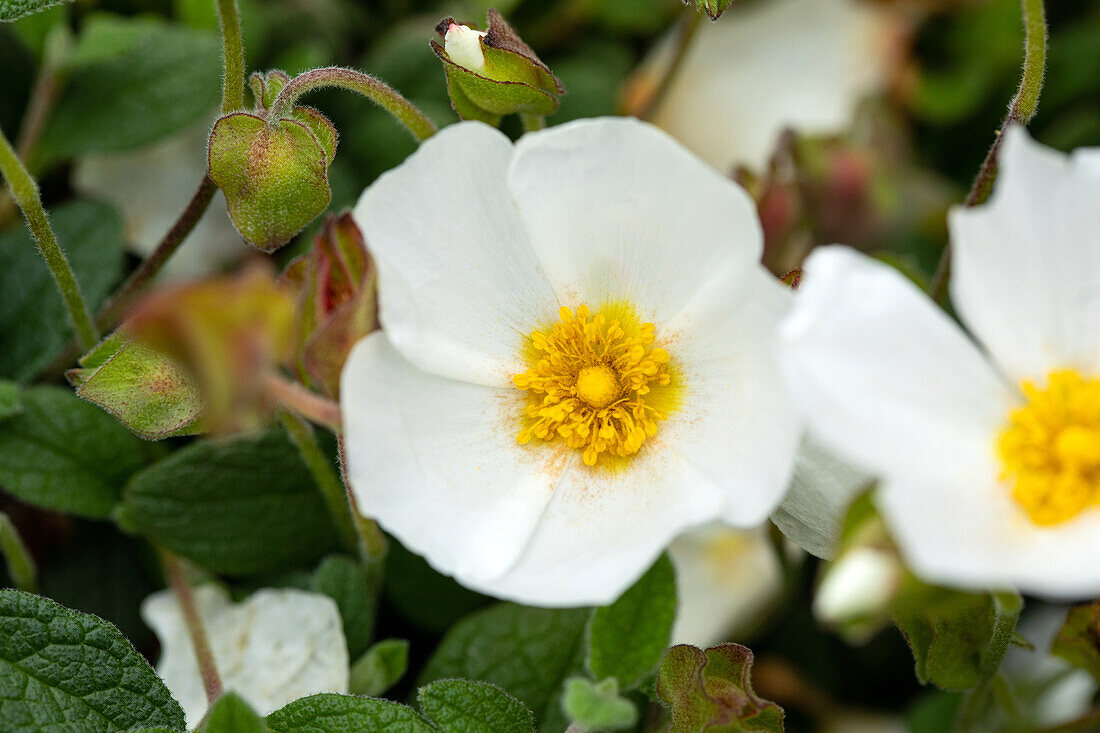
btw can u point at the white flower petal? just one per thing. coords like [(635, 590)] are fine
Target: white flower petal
[(768, 66), (618, 210), (1026, 268), (821, 490), (436, 461), (968, 531), (884, 377), (459, 287), (272, 648), (725, 579), (604, 528), (150, 187), (737, 424)]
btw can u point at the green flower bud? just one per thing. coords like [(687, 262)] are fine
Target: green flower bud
[(713, 8), (274, 173), (494, 73)]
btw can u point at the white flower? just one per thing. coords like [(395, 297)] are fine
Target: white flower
[(861, 583), (151, 187), (576, 360), (274, 647), (463, 46), (768, 66), (989, 454), (726, 579)]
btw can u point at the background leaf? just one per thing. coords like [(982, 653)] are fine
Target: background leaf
[(64, 454), (58, 666), (240, 506)]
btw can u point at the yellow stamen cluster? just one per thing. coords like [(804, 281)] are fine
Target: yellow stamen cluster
[(589, 381), (1051, 448)]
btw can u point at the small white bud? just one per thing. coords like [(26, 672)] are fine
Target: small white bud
[(463, 46), (861, 583)]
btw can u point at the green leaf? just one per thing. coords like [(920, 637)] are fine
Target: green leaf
[(627, 638), (379, 668), (34, 325), (10, 403), (948, 634), (59, 666), (713, 8), (237, 507), (598, 706), (345, 581), (712, 691), (231, 714), (530, 652), (1078, 642), (14, 9), (462, 706), (63, 454), (131, 94), (332, 713)]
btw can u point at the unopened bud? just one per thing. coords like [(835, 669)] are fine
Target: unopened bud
[(463, 45), (858, 587)]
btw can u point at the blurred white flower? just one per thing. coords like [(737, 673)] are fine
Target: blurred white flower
[(989, 455), (151, 187), (576, 361), (770, 65), (860, 584), (726, 580), (274, 647)]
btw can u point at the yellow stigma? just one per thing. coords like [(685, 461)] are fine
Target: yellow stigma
[(1050, 450), (596, 382)]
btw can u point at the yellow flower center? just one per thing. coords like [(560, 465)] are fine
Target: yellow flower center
[(1050, 450), (596, 382)]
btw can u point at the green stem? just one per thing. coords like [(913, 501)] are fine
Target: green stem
[(324, 474), (21, 565), (232, 55), (208, 669), (25, 192), (1006, 612), (532, 123), (1020, 111), (382, 94)]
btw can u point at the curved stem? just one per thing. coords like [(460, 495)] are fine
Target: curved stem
[(211, 681), (114, 308), (232, 55), (532, 123), (25, 192), (690, 26), (382, 94), (324, 474), (1020, 111), (372, 541), (302, 401)]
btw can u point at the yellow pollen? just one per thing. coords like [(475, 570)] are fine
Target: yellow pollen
[(1050, 451), (596, 383)]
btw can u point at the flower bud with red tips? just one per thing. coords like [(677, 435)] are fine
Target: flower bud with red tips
[(336, 305), (494, 73)]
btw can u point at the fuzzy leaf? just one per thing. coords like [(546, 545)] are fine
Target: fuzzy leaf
[(598, 706), (1078, 642), (231, 714), (529, 652), (627, 638), (59, 666), (14, 9), (948, 634), (34, 325), (332, 713), (462, 706), (237, 507), (711, 691), (713, 8), (63, 454)]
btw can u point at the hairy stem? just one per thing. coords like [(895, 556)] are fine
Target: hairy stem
[(232, 56), (25, 192), (211, 681), (372, 541), (324, 474), (1006, 612), (382, 94), (21, 566), (1020, 111), (303, 401)]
